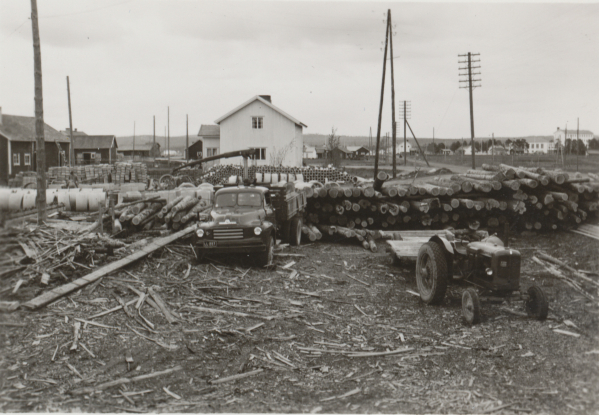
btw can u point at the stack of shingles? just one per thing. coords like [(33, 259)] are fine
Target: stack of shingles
[(525, 198)]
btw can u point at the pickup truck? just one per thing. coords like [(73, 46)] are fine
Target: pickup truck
[(248, 219)]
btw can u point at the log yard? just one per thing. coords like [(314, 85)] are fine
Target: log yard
[(258, 268)]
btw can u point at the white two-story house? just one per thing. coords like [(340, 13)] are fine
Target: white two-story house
[(257, 123)]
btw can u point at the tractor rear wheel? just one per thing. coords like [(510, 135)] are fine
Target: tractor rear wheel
[(537, 305), (296, 231), (471, 306), (431, 273)]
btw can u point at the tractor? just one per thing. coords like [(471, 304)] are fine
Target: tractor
[(488, 266)]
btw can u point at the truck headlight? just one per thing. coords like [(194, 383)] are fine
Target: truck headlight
[(489, 271), (257, 230), (200, 233)]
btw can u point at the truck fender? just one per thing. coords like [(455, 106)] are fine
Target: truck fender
[(443, 242), (270, 227)]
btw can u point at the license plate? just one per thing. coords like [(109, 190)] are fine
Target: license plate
[(209, 244)]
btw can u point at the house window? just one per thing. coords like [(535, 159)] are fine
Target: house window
[(213, 151), (257, 123), (16, 159), (93, 156), (260, 154), (27, 159), (199, 154)]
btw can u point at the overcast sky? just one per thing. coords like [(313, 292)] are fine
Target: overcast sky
[(320, 61)]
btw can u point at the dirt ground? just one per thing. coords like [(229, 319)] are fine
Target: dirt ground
[(336, 298)]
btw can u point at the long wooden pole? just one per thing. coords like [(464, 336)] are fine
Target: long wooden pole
[(378, 131), (168, 123), (133, 140), (393, 98), (39, 118), (71, 144), (187, 137), (419, 148), (154, 137)]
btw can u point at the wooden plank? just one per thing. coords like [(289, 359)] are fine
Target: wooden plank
[(53, 295), (424, 233), (409, 248)]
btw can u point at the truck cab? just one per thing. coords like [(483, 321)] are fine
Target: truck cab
[(242, 220)]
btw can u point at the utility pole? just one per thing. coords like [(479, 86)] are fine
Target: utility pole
[(168, 123), (470, 87), (71, 149), (39, 118), (378, 131), (392, 97), (154, 137), (187, 137), (133, 140), (493, 146), (407, 108), (577, 119)]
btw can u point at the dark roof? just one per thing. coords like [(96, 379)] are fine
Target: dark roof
[(20, 128), (128, 146), (93, 141), (209, 130)]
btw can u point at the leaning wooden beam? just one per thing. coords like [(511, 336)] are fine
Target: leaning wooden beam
[(58, 292), (121, 381)]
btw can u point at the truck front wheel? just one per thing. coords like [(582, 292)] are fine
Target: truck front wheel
[(295, 236), (267, 256)]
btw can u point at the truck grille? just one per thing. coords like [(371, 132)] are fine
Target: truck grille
[(228, 234)]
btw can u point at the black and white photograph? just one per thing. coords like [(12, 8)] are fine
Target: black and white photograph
[(299, 207)]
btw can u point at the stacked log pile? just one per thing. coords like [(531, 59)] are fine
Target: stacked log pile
[(524, 198), (221, 174), (155, 212)]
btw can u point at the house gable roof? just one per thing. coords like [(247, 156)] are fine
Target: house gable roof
[(572, 131), (209, 130), (138, 146), (356, 148), (265, 102), (21, 128), (93, 142)]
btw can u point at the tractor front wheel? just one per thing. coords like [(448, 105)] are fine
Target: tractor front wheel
[(471, 306), (431, 273), (537, 305)]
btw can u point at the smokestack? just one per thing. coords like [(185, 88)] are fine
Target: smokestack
[(266, 97)]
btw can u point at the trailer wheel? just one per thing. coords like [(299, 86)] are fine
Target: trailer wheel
[(537, 305), (471, 306), (296, 231), (265, 258), (431, 273)]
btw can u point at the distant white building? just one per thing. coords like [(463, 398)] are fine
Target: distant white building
[(584, 135), (541, 145), (310, 152), (257, 123), (399, 149)]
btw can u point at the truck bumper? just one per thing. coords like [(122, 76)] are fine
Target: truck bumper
[(242, 246)]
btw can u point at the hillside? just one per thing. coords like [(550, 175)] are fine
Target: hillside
[(177, 142), (320, 139)]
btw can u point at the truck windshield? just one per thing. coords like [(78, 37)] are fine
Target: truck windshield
[(249, 199)]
